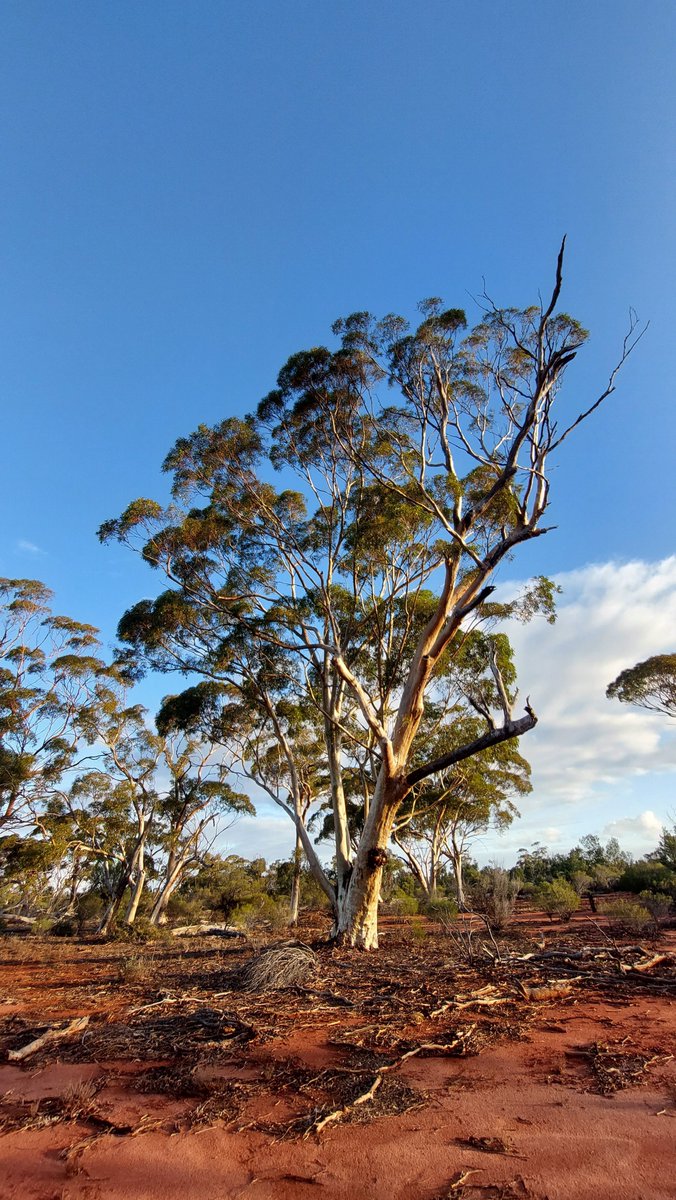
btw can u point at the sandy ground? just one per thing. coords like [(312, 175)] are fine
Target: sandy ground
[(526, 1112)]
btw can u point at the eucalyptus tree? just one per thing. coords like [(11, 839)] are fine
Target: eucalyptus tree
[(193, 804), (649, 684), (420, 458), (124, 784), (48, 669)]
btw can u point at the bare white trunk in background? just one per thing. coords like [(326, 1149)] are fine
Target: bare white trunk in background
[(294, 901)]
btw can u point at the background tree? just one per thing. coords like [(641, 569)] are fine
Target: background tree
[(421, 459), (197, 798), (650, 684), (438, 824), (47, 673)]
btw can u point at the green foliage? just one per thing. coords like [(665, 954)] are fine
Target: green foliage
[(418, 929), (650, 684), (279, 882), (666, 849), (228, 887), (588, 866), (626, 916), (413, 458), (402, 904), (648, 875), (264, 912), (47, 674), (558, 898), (441, 908), (659, 904)]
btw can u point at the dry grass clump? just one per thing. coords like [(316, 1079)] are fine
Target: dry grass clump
[(76, 1104), (136, 968), (287, 965)]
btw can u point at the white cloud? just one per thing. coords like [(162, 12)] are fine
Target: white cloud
[(551, 835), (595, 761), (29, 547), (645, 828), (609, 617)]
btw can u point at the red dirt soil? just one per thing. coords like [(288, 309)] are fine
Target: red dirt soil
[(555, 1099)]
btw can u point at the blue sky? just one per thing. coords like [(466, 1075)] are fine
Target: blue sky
[(190, 192)]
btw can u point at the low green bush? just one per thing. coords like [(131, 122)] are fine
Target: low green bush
[(401, 904), (648, 876), (626, 916), (558, 899), (265, 911), (659, 905), (442, 908)]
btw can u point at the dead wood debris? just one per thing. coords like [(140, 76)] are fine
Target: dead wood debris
[(490, 1145), (338, 1114), (76, 1104), (191, 1024), (57, 1034), (615, 1065)]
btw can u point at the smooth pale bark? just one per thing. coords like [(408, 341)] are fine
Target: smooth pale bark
[(137, 873), (114, 906), (456, 860), (357, 915), (173, 878), (294, 901), (343, 848), (137, 891)]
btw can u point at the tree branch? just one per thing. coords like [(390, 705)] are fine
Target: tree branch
[(510, 729)]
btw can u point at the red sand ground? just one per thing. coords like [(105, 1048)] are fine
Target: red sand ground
[(533, 1090)]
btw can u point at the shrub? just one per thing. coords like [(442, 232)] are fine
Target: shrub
[(65, 927), (135, 969), (89, 908), (186, 910), (582, 882), (626, 916), (495, 896), (418, 929), (442, 908), (646, 875), (658, 904), (401, 904), (264, 911), (558, 898), (141, 931)]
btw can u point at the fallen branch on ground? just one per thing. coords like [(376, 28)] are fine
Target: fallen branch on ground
[(338, 1114), (51, 1035)]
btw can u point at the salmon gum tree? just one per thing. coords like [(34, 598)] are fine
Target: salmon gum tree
[(353, 609)]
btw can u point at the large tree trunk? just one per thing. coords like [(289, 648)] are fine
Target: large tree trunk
[(165, 893), (357, 916), (114, 906), (457, 861), (339, 806)]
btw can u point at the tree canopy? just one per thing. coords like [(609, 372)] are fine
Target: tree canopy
[(650, 684), (411, 462)]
